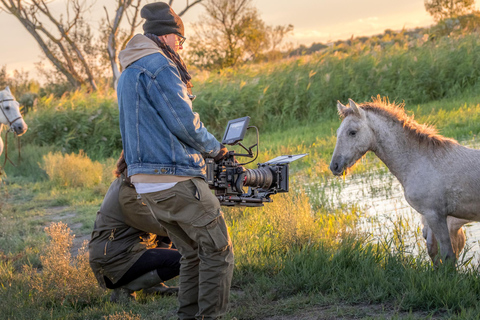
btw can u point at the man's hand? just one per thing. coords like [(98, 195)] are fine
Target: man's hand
[(221, 154)]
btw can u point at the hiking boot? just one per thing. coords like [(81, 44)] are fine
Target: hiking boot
[(149, 279), (122, 295), (162, 289)]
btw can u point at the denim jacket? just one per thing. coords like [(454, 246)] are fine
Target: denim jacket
[(160, 132)]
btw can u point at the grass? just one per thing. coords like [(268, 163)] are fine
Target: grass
[(303, 255), (303, 251)]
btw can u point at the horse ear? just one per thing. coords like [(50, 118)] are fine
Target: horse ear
[(341, 109), (8, 89), (358, 111)]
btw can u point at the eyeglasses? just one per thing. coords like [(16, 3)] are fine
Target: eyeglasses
[(182, 40)]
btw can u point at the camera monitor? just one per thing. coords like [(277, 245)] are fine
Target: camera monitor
[(235, 130)]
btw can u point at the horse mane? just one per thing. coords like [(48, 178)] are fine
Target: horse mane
[(424, 134)]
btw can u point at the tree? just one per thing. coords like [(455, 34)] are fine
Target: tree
[(24, 89), (118, 36), (277, 34), (114, 42), (3, 77), (67, 39), (443, 9), (58, 37), (230, 32)]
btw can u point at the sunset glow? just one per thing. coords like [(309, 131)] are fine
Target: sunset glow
[(314, 21)]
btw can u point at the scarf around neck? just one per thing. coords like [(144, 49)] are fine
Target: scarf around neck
[(172, 55)]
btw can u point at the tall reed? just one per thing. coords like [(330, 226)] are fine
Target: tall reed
[(282, 94), (305, 89)]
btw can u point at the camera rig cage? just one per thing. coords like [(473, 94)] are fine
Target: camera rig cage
[(228, 177)]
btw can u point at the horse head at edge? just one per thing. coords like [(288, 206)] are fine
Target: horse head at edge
[(1, 141), (10, 114)]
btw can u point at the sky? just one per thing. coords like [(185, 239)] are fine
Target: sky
[(313, 21)]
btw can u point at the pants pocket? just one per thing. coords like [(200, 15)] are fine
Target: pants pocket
[(163, 197), (203, 194), (163, 201), (211, 231)]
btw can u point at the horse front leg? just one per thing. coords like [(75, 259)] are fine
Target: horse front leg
[(457, 237), (439, 227), (457, 234), (431, 242)]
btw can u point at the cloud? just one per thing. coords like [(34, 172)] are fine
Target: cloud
[(360, 27), (368, 20)]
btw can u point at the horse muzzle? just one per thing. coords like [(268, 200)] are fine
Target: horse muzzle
[(337, 166), (19, 127)]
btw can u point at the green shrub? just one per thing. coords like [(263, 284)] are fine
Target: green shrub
[(80, 121)]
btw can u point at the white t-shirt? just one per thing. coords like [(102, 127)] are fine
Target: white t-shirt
[(143, 187)]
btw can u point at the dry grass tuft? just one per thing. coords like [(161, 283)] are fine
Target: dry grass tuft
[(287, 222), (72, 170), (63, 278), (123, 316)]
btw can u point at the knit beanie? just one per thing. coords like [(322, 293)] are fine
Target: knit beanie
[(161, 19)]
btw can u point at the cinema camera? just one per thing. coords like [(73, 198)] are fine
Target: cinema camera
[(228, 177)]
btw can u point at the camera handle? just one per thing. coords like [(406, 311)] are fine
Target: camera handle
[(249, 150)]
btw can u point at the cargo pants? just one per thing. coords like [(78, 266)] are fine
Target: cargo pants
[(192, 216)]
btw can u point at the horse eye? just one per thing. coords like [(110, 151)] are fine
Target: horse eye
[(352, 133), (7, 108)]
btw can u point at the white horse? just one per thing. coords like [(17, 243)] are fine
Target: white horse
[(440, 177), (10, 115)]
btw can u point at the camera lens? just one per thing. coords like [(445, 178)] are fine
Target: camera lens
[(261, 177)]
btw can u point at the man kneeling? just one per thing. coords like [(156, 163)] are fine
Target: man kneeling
[(129, 249)]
